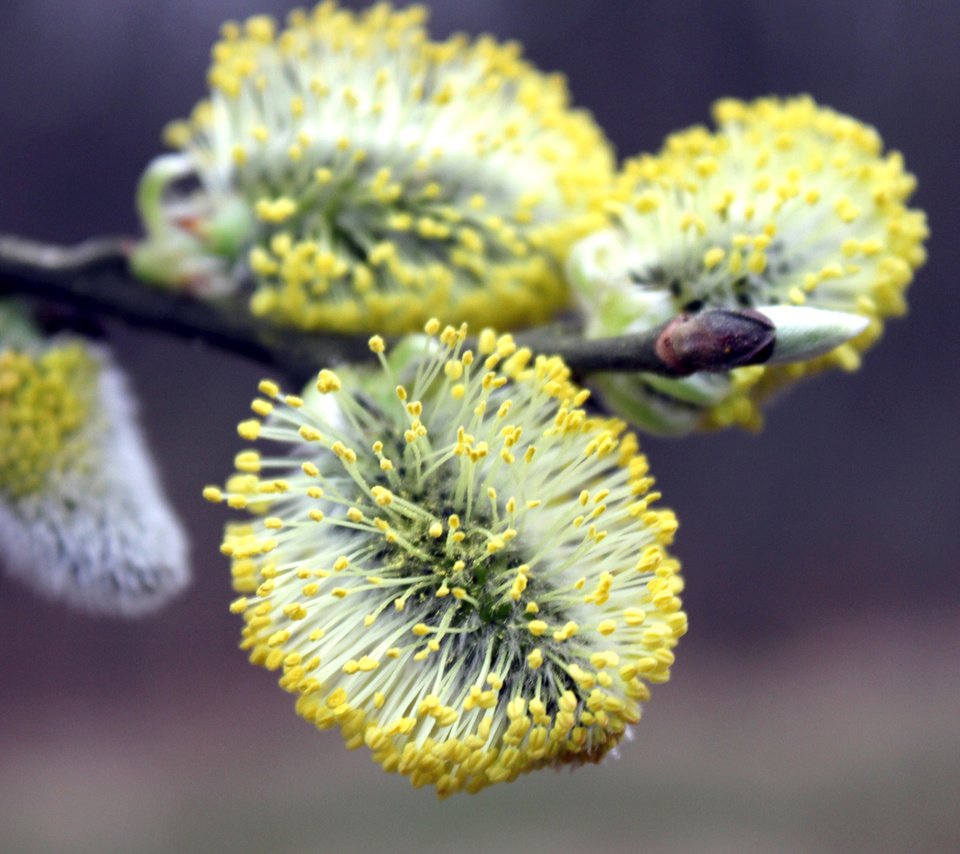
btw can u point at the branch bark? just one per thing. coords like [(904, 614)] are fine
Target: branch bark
[(94, 278)]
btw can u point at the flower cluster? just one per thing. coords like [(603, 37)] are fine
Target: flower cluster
[(44, 398), (453, 562), (381, 177), (83, 518), (787, 204)]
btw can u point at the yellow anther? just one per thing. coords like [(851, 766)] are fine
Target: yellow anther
[(328, 381), (261, 407), (382, 496), (310, 434), (713, 256), (275, 210), (249, 430)]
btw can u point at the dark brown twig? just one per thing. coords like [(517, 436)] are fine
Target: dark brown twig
[(94, 278)]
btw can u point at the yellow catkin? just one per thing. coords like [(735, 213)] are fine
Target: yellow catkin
[(457, 173), (437, 618), (786, 203)]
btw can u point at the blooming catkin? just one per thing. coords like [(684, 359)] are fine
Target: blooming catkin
[(786, 204), (387, 177), (83, 518), (453, 562)]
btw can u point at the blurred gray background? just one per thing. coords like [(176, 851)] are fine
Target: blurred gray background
[(814, 702)]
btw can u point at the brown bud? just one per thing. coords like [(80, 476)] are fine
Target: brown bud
[(715, 340)]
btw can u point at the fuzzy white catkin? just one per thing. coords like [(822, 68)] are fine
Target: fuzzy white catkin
[(100, 536)]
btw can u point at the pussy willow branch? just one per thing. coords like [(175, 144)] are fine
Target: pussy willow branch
[(94, 277)]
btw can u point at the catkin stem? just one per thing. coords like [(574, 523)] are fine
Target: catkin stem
[(94, 278)]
